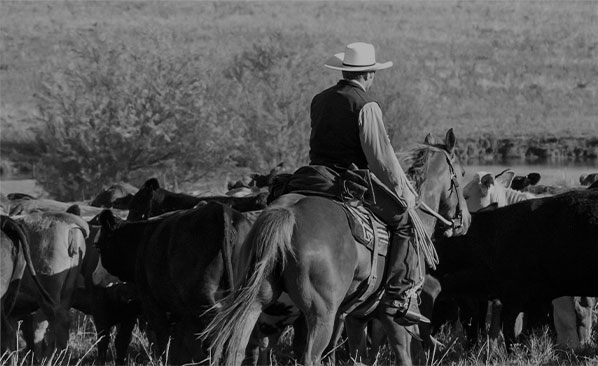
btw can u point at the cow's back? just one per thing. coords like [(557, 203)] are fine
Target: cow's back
[(548, 241)]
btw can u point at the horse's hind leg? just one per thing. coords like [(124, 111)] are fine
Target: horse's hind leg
[(320, 325)]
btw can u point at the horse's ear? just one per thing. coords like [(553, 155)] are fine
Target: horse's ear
[(450, 140), (505, 178), (107, 220), (430, 139), (151, 184)]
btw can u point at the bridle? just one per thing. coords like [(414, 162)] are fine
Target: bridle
[(456, 222)]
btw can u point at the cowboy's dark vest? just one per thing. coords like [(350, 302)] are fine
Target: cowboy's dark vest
[(334, 139)]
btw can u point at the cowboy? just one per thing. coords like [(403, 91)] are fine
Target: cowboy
[(347, 130)]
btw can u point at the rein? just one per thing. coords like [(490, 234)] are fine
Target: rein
[(426, 209), (457, 221)]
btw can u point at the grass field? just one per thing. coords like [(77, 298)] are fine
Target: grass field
[(537, 349), (508, 67)]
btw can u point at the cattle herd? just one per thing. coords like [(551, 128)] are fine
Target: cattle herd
[(164, 260)]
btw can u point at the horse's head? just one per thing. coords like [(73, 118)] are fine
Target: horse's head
[(438, 178), (140, 206)]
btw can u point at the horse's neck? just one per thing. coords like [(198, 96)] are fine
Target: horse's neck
[(432, 200)]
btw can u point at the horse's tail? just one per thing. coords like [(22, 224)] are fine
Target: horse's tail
[(269, 243)]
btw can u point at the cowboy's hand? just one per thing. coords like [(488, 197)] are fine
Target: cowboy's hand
[(409, 198)]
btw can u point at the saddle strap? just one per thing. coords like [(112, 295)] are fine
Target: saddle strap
[(367, 290)]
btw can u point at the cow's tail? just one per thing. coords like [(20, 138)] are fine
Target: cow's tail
[(269, 243), (12, 226)]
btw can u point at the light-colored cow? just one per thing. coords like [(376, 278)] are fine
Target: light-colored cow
[(57, 242), (572, 315)]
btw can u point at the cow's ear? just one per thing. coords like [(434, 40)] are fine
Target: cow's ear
[(450, 141), (74, 209), (430, 139), (486, 181), (107, 220), (534, 178), (122, 203), (151, 184), (505, 178)]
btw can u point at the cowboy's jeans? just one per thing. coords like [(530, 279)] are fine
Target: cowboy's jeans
[(402, 274)]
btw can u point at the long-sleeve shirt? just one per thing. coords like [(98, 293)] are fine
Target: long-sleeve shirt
[(378, 150)]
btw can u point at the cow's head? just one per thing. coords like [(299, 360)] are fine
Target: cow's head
[(140, 205), (116, 246), (485, 189)]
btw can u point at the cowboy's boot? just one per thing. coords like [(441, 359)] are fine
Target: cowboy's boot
[(399, 300)]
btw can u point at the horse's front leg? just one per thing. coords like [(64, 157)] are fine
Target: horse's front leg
[(398, 339), (377, 338)]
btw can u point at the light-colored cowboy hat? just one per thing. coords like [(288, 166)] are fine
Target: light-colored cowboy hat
[(358, 56)]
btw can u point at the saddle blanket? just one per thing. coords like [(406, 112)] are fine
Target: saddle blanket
[(371, 232), (363, 223)]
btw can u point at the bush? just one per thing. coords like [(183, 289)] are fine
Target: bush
[(116, 109), (271, 103)]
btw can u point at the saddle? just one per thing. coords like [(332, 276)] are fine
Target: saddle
[(350, 189), (371, 232)]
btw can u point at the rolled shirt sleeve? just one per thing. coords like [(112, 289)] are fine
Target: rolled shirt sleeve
[(378, 151)]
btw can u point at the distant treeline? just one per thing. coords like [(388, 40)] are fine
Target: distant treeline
[(529, 149)]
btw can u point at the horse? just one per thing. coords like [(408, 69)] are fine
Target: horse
[(303, 245)]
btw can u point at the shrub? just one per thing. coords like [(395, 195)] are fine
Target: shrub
[(118, 108)]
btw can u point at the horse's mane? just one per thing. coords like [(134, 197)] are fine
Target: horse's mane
[(414, 159)]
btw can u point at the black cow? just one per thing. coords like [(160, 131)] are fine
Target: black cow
[(588, 179), (534, 250), (520, 183), (181, 264), (151, 200), (113, 305), (118, 196)]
